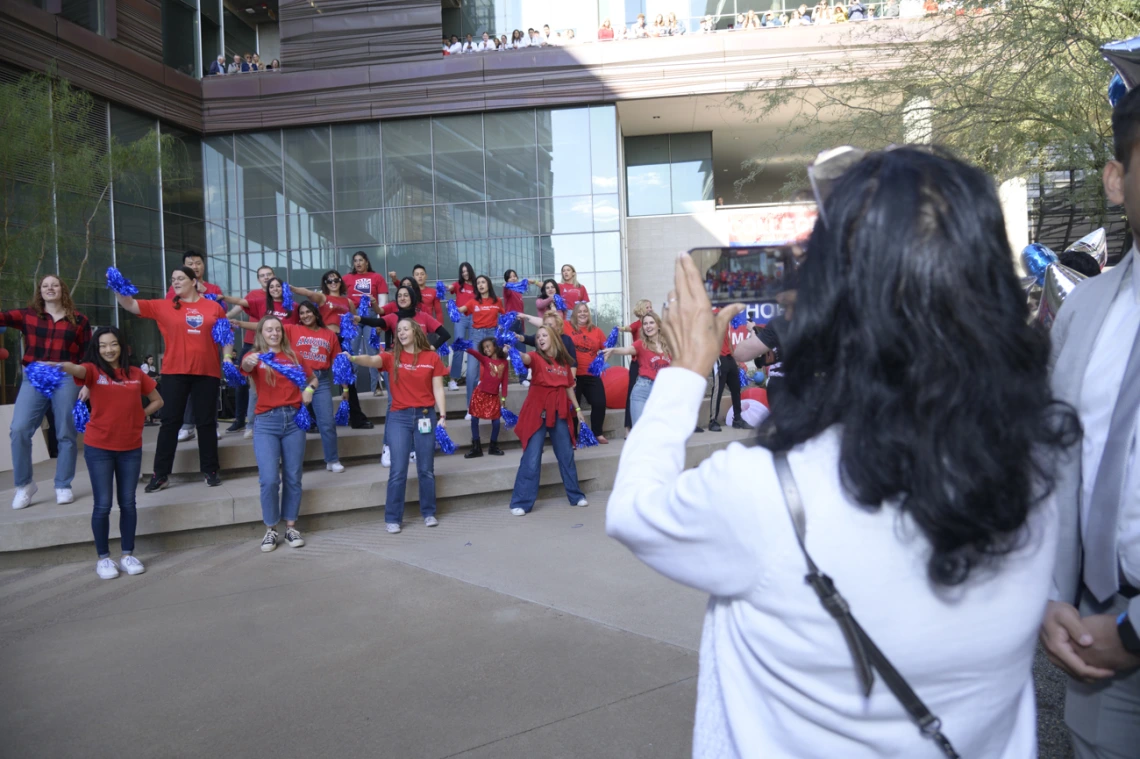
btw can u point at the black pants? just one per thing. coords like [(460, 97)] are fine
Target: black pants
[(241, 394), (355, 413), (201, 393), (729, 374), (590, 387), (632, 380)]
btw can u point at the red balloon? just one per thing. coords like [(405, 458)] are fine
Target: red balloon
[(616, 382), (3, 353), (756, 394)]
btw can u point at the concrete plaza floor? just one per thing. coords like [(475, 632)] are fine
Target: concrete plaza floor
[(490, 636)]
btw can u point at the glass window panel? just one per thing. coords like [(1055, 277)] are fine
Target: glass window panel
[(406, 147), (219, 189), (359, 227), (140, 264), (260, 234), (308, 170), (512, 157), (462, 221), (563, 147), (178, 44), (603, 148), (276, 260), (128, 127), (240, 38), (607, 314), (691, 172), (607, 251), (309, 230), (565, 215), (307, 266), (576, 250), (457, 146), (607, 281), (413, 224), (403, 258), (518, 253), (87, 13), (357, 174), (137, 225), (449, 255), (586, 279), (512, 218), (647, 175), (545, 259), (183, 233), (182, 193), (217, 240), (258, 173), (606, 216)]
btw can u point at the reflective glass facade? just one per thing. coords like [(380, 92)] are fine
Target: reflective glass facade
[(669, 173)]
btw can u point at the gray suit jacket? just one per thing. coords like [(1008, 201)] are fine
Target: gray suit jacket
[(1073, 334)]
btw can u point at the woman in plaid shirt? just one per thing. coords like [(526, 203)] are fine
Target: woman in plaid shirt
[(53, 331)]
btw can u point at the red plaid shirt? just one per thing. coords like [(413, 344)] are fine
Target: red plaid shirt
[(46, 339)]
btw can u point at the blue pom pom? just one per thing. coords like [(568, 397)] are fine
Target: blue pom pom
[(120, 284), (559, 303), (341, 417), (343, 372), (81, 416), (518, 287), (445, 443), (613, 337), (440, 290), (510, 418), (286, 296), (743, 378), (302, 418), (291, 372), (739, 320), (222, 332), (458, 345), (216, 298), (444, 350), (365, 305), (516, 361), (507, 320), (44, 377), (374, 339), (586, 437), (598, 365), (233, 375), (453, 311), (348, 329), (505, 337)]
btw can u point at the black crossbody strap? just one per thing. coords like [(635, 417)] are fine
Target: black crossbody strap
[(866, 654)]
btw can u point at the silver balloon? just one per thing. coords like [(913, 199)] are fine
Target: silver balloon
[(1095, 244), (1060, 280)]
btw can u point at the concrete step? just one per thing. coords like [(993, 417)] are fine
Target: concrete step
[(31, 534)]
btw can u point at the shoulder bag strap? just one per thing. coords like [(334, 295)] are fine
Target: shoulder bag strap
[(866, 654)]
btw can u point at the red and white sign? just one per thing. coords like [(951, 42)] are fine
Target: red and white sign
[(771, 225)]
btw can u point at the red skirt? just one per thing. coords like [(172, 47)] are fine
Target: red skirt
[(484, 405)]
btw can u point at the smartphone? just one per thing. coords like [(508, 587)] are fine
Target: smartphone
[(762, 277)]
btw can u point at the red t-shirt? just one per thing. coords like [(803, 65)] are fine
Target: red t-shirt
[(572, 294), (424, 320), (544, 372), (313, 346), (463, 295), (649, 362), (733, 337), (333, 307), (369, 283), (257, 310), (190, 347), (587, 343), (485, 313), (253, 296), (412, 384), (281, 393), (494, 377), (211, 289), (116, 413), (512, 301), (635, 329)]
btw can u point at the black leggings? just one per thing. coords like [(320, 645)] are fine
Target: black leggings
[(729, 374), (595, 392), (200, 392), (632, 380)]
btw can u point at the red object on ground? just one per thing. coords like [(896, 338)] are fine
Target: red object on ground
[(616, 382), (3, 353), (756, 394)]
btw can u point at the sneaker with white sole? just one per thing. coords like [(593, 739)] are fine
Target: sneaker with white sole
[(467, 417), (392, 527), (582, 502), (293, 537), (430, 522), (269, 542), (453, 385), (131, 565), (412, 457), (184, 435), (526, 383), (335, 467), (518, 512), (64, 495), (107, 569), (24, 496), (386, 458), (248, 434), (219, 434)]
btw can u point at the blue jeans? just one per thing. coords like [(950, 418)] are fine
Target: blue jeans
[(279, 443), (403, 438), (530, 468), (473, 365), (360, 347), (27, 417), (325, 416), (475, 430), (638, 398), (111, 473), (462, 329)]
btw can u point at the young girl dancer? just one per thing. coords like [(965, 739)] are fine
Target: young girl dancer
[(484, 310), (652, 354), (112, 444), (588, 342), (488, 399)]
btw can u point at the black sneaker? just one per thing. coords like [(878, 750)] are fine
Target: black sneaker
[(156, 483), (494, 450), (714, 426), (236, 427), (364, 425), (269, 542), (699, 429), (213, 480), (740, 424)]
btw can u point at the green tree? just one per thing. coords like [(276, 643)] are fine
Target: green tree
[(1016, 87)]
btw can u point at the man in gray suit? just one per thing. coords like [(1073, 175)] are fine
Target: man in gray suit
[(1091, 626)]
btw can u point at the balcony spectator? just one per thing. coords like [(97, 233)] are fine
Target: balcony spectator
[(517, 39), (890, 9), (247, 64), (469, 45), (840, 14), (930, 7), (235, 67), (605, 32), (275, 65), (456, 46), (639, 30), (673, 27), (657, 28), (485, 44), (257, 63), (708, 25), (446, 46), (534, 39), (805, 15), (547, 38), (503, 44), (773, 20), (218, 67), (568, 37)]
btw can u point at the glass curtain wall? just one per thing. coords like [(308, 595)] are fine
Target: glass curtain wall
[(669, 173), (526, 190)]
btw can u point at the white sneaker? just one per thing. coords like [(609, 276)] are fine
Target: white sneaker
[(467, 417), (430, 522), (393, 527), (453, 385), (219, 434), (64, 495), (582, 503), (131, 565), (526, 383), (269, 542), (293, 537), (518, 512), (335, 467), (412, 457), (386, 458), (24, 496), (184, 435), (248, 434), (107, 569)]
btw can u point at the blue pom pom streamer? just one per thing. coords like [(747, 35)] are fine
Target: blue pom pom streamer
[(445, 443), (216, 298), (440, 290), (348, 329), (505, 337), (516, 361), (1116, 90), (507, 320), (586, 437), (120, 284), (598, 365), (458, 345), (286, 296), (341, 417), (518, 287), (613, 337), (743, 378), (444, 350), (44, 377), (739, 320), (374, 339), (453, 311), (343, 372), (233, 375), (365, 306), (81, 416), (303, 419), (559, 303), (223, 332), (510, 418), (291, 372)]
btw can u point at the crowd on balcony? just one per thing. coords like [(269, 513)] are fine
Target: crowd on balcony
[(250, 63)]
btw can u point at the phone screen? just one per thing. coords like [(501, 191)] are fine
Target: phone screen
[(762, 277)]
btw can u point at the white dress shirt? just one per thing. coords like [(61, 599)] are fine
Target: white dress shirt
[(456, 49), (776, 679), (1099, 389)]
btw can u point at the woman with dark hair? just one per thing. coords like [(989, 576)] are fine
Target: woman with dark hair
[(112, 442), (513, 303), (362, 281), (484, 310), (463, 290), (545, 300), (53, 331), (191, 372), (916, 446)]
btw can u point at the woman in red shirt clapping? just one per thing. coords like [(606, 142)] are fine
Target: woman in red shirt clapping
[(488, 399), (112, 443), (588, 342), (549, 408)]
